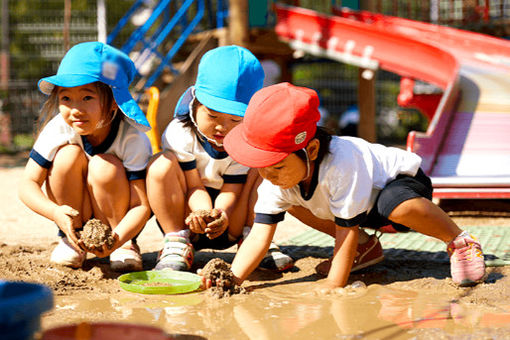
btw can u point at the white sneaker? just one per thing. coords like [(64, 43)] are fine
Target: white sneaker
[(127, 258), (66, 255)]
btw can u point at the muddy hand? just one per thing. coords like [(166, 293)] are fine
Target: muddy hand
[(325, 288), (103, 250), (218, 226), (208, 283), (196, 224), (68, 220)]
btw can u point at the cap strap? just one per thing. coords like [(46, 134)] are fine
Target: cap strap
[(307, 162), (190, 108)]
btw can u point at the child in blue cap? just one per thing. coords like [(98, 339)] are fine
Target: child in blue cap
[(194, 173), (92, 154)]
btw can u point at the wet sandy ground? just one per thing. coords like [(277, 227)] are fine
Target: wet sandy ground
[(403, 299)]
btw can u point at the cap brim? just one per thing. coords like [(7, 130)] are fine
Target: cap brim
[(242, 152), (47, 84), (130, 108), (220, 104), (182, 107)]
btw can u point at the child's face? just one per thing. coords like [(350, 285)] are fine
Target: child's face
[(215, 125), (81, 108), (286, 173)]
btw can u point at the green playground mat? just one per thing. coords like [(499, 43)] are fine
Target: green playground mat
[(495, 242)]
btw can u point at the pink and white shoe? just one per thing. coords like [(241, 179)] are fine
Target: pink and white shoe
[(467, 265), (127, 258)]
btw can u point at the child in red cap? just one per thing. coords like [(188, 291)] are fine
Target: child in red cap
[(335, 183)]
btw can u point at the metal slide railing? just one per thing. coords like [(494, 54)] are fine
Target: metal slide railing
[(147, 40)]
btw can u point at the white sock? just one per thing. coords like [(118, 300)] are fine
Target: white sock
[(185, 233)]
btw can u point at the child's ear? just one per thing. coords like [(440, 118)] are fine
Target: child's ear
[(313, 149)]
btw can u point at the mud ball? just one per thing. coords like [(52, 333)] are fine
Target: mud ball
[(95, 234), (218, 271)]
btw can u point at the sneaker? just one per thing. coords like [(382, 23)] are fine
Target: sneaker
[(367, 254), (127, 258), (66, 255), (466, 260), (276, 260), (177, 254)]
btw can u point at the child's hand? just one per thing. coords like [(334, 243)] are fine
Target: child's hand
[(326, 288), (218, 226), (68, 220), (103, 250), (211, 222), (196, 222)]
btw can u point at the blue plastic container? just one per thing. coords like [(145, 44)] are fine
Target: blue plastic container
[(21, 306)]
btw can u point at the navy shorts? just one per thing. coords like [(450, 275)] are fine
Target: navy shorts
[(399, 190)]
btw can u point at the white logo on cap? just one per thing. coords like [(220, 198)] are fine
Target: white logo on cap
[(300, 137), (110, 70)]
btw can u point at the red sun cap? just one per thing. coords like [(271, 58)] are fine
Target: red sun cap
[(279, 120)]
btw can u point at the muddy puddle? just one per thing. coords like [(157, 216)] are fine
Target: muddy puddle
[(290, 311)]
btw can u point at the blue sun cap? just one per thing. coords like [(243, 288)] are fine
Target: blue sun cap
[(227, 78), (89, 62)]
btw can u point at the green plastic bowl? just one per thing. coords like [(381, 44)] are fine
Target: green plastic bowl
[(160, 282)]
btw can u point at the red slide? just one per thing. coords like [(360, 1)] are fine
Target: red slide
[(466, 148)]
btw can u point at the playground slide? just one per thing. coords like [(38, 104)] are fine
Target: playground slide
[(466, 148)]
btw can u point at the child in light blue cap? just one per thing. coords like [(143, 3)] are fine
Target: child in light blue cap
[(194, 173), (92, 154)]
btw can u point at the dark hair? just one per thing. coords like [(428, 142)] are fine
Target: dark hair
[(324, 136), (186, 119)]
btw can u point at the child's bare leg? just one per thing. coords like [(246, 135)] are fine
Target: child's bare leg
[(109, 189), (66, 180), (166, 191), (110, 193), (422, 215), (65, 185), (243, 212), (467, 264)]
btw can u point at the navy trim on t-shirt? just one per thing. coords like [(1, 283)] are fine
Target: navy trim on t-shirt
[(132, 175), (188, 165), (234, 178), (313, 184), (352, 221), (269, 218), (36, 156), (105, 145), (212, 151)]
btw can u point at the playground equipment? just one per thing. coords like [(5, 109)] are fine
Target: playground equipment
[(465, 149)]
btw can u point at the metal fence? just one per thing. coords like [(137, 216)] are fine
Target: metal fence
[(34, 37)]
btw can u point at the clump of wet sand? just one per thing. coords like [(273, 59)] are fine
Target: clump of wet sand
[(95, 234), (220, 274)]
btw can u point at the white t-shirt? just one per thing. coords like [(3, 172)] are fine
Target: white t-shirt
[(124, 141), (348, 181), (215, 167)]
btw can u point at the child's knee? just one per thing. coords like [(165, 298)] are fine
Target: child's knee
[(105, 168), (162, 165), (408, 209), (71, 156)]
